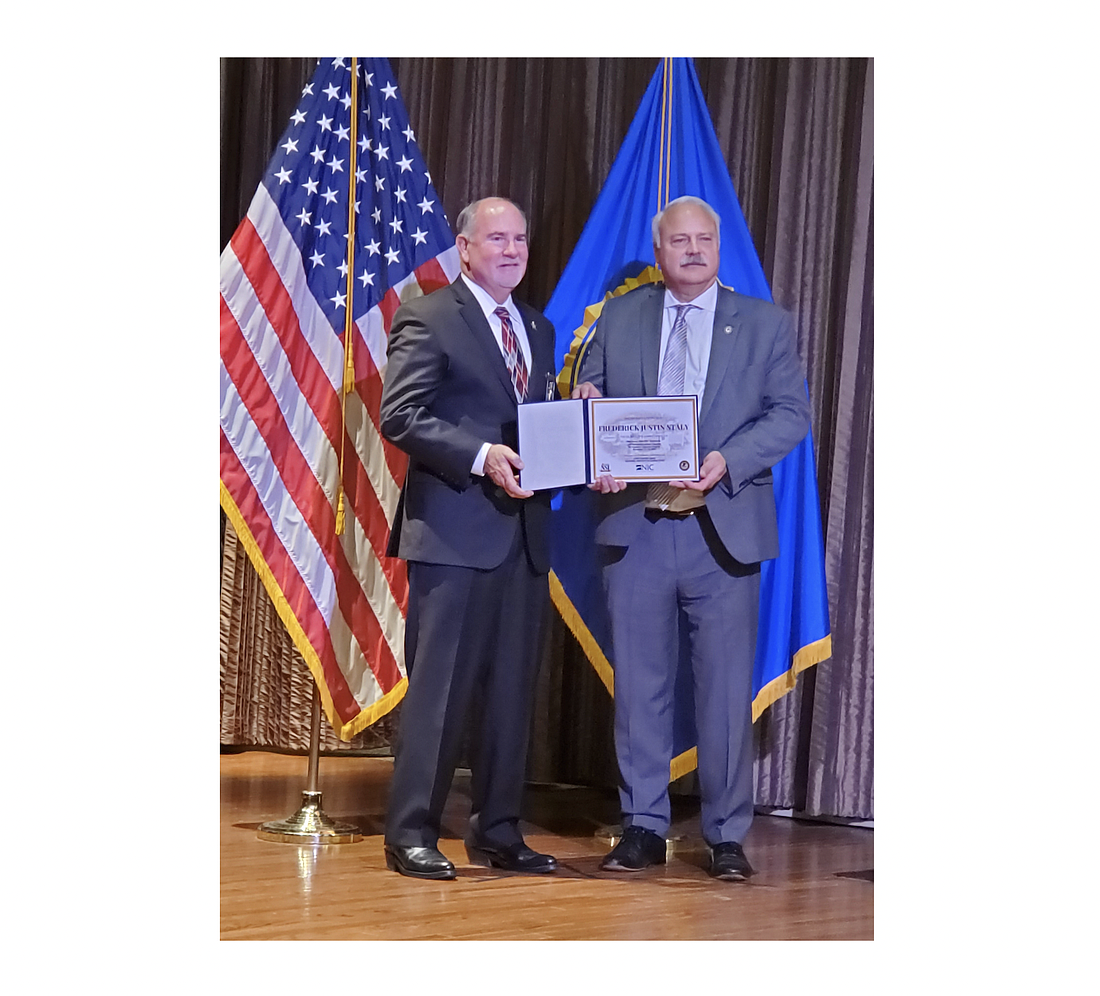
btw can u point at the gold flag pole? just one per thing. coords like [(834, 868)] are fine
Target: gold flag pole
[(310, 824), (349, 322), (664, 165)]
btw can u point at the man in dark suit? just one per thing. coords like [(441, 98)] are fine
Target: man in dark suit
[(688, 553), (460, 361)]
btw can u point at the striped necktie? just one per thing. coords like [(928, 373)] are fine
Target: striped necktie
[(513, 355), (670, 381)]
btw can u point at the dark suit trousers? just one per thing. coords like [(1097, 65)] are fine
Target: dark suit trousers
[(472, 643), (676, 572)]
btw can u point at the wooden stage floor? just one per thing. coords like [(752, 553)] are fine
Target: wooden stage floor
[(813, 881)]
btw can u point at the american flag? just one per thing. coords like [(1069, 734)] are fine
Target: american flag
[(286, 425)]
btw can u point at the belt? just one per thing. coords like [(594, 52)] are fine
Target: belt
[(658, 513)]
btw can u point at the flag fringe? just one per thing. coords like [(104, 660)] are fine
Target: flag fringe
[(806, 657), (683, 764), (572, 618), (365, 717), (375, 711)]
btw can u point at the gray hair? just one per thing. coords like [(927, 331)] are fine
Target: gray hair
[(686, 199), (467, 217)]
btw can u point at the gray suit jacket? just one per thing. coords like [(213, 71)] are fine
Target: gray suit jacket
[(447, 390), (753, 411)]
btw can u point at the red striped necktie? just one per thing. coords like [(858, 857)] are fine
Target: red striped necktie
[(513, 355)]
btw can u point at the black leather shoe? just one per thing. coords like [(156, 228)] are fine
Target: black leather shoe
[(638, 849), (514, 858), (418, 862), (728, 862)]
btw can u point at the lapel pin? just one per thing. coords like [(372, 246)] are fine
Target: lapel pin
[(728, 329)]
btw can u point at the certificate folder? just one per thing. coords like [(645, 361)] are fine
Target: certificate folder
[(552, 444), (565, 443)]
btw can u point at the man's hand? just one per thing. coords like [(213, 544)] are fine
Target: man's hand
[(499, 464), (585, 390), (710, 473), (605, 484)]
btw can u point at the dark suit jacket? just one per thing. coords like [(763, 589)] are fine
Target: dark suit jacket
[(447, 391), (753, 411)]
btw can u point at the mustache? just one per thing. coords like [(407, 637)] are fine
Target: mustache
[(692, 259)]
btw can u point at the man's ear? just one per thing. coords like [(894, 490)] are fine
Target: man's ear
[(463, 244)]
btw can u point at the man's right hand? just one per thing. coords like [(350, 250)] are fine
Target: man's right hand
[(499, 464), (585, 390)]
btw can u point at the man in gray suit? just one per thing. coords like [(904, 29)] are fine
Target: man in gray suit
[(688, 553), (460, 361)]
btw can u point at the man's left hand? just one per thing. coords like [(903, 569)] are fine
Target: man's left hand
[(710, 473)]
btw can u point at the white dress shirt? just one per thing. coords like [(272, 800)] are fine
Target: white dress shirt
[(700, 323), (488, 306), (700, 332)]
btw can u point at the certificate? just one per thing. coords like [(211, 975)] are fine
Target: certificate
[(551, 445), (564, 443), (644, 439)]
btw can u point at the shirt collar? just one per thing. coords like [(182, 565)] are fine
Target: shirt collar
[(708, 300), (484, 298)]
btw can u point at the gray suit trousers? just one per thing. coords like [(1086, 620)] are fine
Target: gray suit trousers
[(677, 573)]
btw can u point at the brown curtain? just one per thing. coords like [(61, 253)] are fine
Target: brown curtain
[(797, 137)]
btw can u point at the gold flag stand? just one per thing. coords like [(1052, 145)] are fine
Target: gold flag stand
[(310, 825)]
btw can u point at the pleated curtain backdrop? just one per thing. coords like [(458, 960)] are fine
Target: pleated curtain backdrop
[(797, 135)]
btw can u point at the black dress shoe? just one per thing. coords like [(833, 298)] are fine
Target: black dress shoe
[(418, 862), (638, 849), (514, 858), (728, 862)]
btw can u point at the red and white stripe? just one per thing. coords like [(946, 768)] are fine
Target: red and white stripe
[(281, 422)]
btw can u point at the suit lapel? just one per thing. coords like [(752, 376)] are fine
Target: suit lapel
[(722, 342), (474, 317), (649, 327)]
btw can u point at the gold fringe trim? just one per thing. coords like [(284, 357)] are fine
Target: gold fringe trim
[(374, 712), (683, 764), (367, 716), (577, 626), (806, 657)]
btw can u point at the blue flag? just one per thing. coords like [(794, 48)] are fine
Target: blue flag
[(671, 150)]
